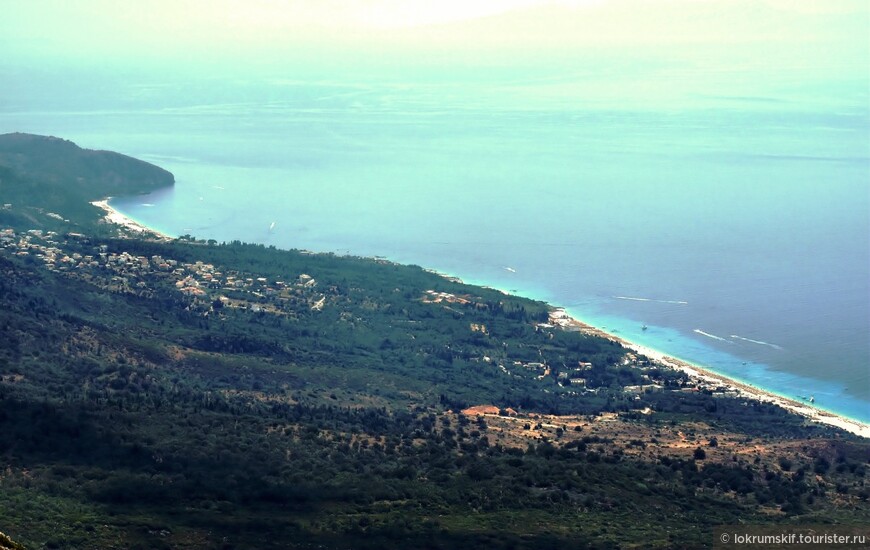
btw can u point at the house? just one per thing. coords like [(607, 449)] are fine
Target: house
[(642, 388), (481, 410)]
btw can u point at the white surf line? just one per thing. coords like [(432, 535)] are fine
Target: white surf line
[(681, 302), (759, 342), (713, 336)]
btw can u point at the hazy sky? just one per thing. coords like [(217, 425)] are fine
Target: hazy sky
[(646, 47), (161, 28)]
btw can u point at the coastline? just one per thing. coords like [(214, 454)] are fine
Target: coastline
[(562, 319), (701, 374), (117, 218)]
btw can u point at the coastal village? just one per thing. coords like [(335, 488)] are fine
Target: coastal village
[(573, 375), (207, 288)]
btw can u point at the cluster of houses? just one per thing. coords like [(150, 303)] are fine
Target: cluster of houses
[(434, 297), (122, 271), (43, 246)]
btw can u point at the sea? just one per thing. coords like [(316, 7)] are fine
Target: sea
[(728, 231)]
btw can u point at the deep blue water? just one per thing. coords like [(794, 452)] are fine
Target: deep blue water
[(739, 233)]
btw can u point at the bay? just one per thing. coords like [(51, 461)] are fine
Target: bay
[(738, 232)]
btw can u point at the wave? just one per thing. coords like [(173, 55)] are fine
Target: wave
[(713, 336), (681, 302), (759, 342)]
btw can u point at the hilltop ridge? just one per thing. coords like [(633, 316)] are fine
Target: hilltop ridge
[(94, 172)]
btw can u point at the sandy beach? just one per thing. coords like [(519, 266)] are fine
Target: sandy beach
[(117, 218), (698, 373)]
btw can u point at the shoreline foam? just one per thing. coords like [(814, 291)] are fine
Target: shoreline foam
[(703, 374)]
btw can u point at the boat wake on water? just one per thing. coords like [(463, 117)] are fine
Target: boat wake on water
[(759, 342), (713, 336)]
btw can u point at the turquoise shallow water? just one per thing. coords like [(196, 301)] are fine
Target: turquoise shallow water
[(740, 236)]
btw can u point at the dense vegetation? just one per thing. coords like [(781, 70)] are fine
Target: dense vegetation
[(322, 412), (42, 175)]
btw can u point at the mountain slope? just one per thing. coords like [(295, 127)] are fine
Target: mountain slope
[(183, 395)]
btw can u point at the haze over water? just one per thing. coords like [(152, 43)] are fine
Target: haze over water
[(715, 192)]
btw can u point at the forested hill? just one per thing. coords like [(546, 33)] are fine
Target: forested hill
[(93, 174), (41, 175), (183, 394)]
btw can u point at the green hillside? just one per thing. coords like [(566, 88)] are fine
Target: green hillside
[(41, 176)]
